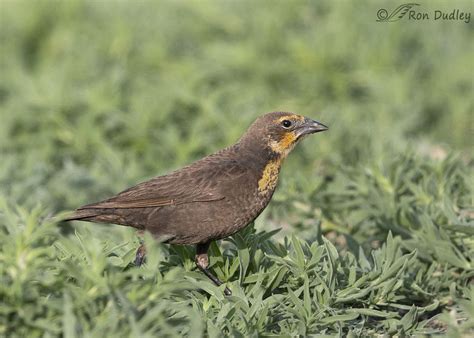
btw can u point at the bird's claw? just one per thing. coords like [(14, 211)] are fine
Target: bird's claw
[(140, 255)]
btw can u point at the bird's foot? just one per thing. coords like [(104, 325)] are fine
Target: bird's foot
[(140, 256), (202, 262), (215, 280)]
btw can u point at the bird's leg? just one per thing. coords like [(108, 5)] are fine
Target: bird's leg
[(141, 254), (202, 262)]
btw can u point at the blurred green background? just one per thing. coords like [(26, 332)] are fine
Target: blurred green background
[(96, 96)]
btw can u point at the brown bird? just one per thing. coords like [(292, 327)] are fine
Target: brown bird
[(213, 197)]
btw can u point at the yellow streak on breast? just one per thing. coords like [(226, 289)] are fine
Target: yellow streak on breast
[(269, 177)]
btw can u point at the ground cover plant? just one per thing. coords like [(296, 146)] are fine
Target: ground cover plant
[(369, 233)]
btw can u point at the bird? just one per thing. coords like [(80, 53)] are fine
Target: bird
[(211, 198)]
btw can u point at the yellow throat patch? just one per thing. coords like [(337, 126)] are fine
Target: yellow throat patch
[(269, 178), (285, 145)]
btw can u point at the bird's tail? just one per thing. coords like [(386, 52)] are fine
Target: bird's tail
[(102, 216), (82, 215)]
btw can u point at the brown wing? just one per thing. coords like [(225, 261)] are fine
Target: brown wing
[(201, 181)]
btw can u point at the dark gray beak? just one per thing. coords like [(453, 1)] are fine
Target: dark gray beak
[(310, 127)]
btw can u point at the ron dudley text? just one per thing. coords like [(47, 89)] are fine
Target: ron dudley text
[(454, 15)]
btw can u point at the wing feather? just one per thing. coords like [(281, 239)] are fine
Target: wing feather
[(199, 182)]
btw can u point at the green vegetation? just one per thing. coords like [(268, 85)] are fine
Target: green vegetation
[(375, 215)]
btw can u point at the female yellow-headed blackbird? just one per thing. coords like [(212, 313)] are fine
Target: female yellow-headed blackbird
[(211, 198)]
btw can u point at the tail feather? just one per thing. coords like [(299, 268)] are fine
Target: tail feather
[(82, 215), (114, 216)]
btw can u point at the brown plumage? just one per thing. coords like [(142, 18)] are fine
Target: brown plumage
[(211, 198)]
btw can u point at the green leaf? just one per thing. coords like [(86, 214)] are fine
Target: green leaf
[(340, 318)]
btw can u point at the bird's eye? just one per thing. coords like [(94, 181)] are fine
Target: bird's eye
[(286, 123)]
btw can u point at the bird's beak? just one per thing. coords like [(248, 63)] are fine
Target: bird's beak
[(310, 127)]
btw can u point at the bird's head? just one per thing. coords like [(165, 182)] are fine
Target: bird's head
[(279, 132)]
